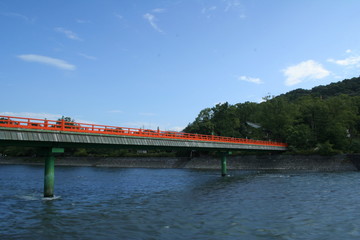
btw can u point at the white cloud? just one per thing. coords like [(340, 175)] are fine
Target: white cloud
[(69, 34), (48, 61), (348, 51), (350, 61), (250, 79), (152, 20), (303, 71)]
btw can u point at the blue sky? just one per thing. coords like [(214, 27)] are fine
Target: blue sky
[(155, 63)]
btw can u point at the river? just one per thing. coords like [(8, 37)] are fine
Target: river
[(136, 203)]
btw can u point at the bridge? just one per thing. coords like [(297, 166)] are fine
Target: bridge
[(55, 135)]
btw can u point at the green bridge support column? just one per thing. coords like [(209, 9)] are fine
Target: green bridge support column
[(223, 165), (49, 176), (223, 156), (49, 173)]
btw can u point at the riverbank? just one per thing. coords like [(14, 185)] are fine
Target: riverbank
[(342, 162)]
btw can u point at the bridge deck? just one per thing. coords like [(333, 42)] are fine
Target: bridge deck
[(26, 137), (39, 132)]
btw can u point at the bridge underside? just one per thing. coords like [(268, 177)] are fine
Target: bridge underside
[(42, 138)]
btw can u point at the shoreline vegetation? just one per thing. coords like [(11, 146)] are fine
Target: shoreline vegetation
[(324, 120)]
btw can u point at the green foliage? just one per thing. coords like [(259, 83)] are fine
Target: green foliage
[(323, 120), (18, 151), (80, 152), (67, 119), (355, 145), (326, 148), (300, 137)]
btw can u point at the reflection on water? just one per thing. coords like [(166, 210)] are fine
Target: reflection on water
[(108, 203)]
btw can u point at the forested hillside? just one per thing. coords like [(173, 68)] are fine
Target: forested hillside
[(349, 87), (322, 120)]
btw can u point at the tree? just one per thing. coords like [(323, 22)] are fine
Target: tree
[(202, 123), (276, 116)]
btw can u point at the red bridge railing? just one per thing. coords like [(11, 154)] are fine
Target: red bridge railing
[(61, 125)]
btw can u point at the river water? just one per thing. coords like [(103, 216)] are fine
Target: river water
[(118, 203)]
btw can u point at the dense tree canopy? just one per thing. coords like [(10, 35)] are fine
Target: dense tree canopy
[(325, 119)]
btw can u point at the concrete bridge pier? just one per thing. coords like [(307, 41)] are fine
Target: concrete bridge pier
[(49, 170)]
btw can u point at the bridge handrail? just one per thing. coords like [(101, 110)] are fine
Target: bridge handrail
[(61, 125)]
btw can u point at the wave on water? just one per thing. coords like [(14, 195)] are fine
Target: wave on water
[(51, 198), (38, 197), (30, 197)]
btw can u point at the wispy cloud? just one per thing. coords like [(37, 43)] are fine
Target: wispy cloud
[(118, 16), (251, 79), (307, 70), (234, 5), (350, 61), (224, 6), (18, 16), (159, 10), (82, 21), (349, 64), (58, 63), (152, 21), (122, 21), (208, 11), (87, 56), (231, 4), (69, 34)]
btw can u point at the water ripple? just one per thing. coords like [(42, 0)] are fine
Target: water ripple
[(113, 203)]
